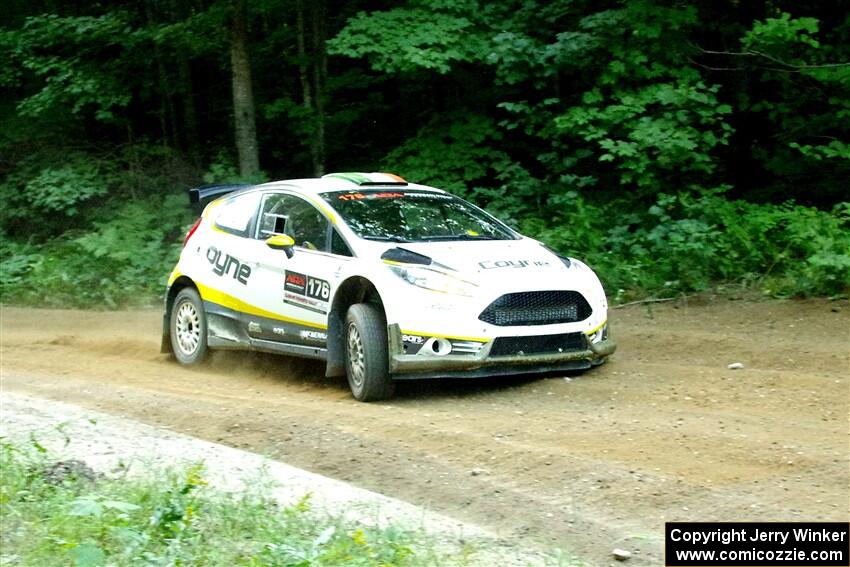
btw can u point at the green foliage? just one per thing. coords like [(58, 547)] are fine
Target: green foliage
[(452, 152), (82, 230), (805, 102), (66, 54), (62, 190), (603, 127), (458, 153), (124, 260), (223, 170), (172, 517), (683, 243), (46, 195), (781, 35), (16, 263), (429, 36), (653, 132), (833, 150)]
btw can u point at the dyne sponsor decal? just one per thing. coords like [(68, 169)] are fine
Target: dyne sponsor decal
[(224, 264), (494, 264)]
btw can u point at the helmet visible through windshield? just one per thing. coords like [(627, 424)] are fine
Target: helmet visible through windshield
[(414, 216)]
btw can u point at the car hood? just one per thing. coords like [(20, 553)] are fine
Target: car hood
[(522, 260)]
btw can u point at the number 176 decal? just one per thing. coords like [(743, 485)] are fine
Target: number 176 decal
[(307, 285), (319, 289)]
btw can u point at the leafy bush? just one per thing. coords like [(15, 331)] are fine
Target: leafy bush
[(121, 261), (63, 189), (684, 243), (16, 262), (92, 230), (48, 194), (224, 170)]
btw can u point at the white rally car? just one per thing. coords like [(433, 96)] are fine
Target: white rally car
[(383, 280)]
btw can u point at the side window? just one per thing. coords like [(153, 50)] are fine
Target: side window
[(338, 245), (273, 215), (288, 214), (235, 214)]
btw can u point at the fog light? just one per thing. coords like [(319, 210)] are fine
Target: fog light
[(439, 347)]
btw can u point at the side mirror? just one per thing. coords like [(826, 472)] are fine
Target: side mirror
[(281, 242)]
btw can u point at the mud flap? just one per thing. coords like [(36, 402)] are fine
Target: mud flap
[(165, 345)]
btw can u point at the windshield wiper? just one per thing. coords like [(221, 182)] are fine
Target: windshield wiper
[(459, 237), (387, 238)]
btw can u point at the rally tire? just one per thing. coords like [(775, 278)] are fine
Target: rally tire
[(366, 358), (188, 328)]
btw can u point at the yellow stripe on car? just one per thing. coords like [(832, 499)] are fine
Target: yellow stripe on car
[(596, 328), (225, 300), (322, 207), (175, 273), (209, 208)]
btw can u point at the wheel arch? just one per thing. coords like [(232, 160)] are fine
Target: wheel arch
[(179, 284), (355, 289)]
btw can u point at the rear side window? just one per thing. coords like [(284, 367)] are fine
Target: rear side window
[(235, 215)]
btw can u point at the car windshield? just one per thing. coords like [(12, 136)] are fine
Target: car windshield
[(414, 216)]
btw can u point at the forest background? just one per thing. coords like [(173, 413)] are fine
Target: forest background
[(675, 146)]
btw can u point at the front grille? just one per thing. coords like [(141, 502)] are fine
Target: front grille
[(539, 344), (537, 308)]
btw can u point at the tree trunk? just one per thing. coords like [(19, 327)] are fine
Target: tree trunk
[(190, 117), (243, 96), (320, 64), (166, 113), (306, 96), (179, 11)]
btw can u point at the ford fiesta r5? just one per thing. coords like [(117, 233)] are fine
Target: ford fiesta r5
[(380, 278)]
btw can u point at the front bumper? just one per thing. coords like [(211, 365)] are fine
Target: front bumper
[(414, 366)]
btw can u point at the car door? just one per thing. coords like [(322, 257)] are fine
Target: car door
[(294, 292), (224, 263)]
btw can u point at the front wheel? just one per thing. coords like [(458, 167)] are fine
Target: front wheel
[(366, 358), (188, 328)]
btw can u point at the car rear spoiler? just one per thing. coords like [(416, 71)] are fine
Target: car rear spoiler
[(200, 196)]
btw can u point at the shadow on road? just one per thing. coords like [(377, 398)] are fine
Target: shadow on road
[(311, 374)]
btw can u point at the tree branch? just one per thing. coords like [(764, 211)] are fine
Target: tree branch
[(793, 67), (643, 301)]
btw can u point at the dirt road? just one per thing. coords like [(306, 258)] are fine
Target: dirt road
[(662, 432)]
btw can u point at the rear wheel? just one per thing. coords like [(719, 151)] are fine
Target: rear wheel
[(366, 358), (188, 328)]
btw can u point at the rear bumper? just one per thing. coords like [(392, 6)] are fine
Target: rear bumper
[(404, 366)]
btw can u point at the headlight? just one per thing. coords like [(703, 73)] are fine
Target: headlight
[(434, 280)]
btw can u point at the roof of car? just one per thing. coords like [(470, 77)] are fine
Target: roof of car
[(346, 182), (332, 182)]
